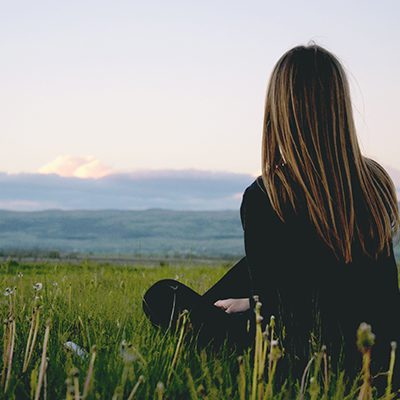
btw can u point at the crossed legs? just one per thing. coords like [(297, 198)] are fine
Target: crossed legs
[(166, 298)]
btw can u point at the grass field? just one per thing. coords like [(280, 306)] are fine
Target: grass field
[(99, 308)]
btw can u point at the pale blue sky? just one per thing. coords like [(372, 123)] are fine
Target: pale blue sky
[(178, 84)]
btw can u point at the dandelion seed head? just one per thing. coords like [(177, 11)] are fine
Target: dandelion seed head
[(37, 286), (275, 353), (363, 326), (272, 322), (365, 337), (128, 352), (274, 342), (265, 335)]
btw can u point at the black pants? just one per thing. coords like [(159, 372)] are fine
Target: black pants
[(167, 298)]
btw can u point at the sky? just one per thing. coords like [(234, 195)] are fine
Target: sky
[(91, 88)]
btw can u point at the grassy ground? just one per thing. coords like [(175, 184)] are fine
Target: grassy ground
[(99, 308)]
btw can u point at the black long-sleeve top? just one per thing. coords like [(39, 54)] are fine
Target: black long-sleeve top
[(299, 280)]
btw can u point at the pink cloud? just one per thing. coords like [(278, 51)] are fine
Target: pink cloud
[(75, 166)]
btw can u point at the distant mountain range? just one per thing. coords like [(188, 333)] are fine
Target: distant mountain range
[(153, 232), (117, 232)]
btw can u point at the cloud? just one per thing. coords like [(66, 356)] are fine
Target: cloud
[(75, 166), (169, 189), (62, 187), (24, 205), (237, 196)]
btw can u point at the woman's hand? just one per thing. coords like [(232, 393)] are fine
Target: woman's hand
[(233, 305)]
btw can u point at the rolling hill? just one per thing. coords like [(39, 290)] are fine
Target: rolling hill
[(161, 232)]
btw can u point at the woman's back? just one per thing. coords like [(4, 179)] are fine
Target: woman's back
[(318, 222), (300, 281)]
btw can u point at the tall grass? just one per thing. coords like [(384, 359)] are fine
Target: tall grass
[(122, 356)]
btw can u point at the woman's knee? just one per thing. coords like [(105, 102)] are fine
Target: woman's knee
[(158, 300)]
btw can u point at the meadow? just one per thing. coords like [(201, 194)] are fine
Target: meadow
[(98, 307)]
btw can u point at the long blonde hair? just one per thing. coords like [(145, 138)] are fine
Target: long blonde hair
[(311, 155)]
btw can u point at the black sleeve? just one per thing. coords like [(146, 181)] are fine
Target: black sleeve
[(261, 231), (242, 212)]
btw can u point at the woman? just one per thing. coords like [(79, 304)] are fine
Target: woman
[(318, 228)]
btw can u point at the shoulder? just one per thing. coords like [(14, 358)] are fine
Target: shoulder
[(256, 189), (382, 179), (373, 166), (256, 201), (385, 186), (256, 197), (378, 171)]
